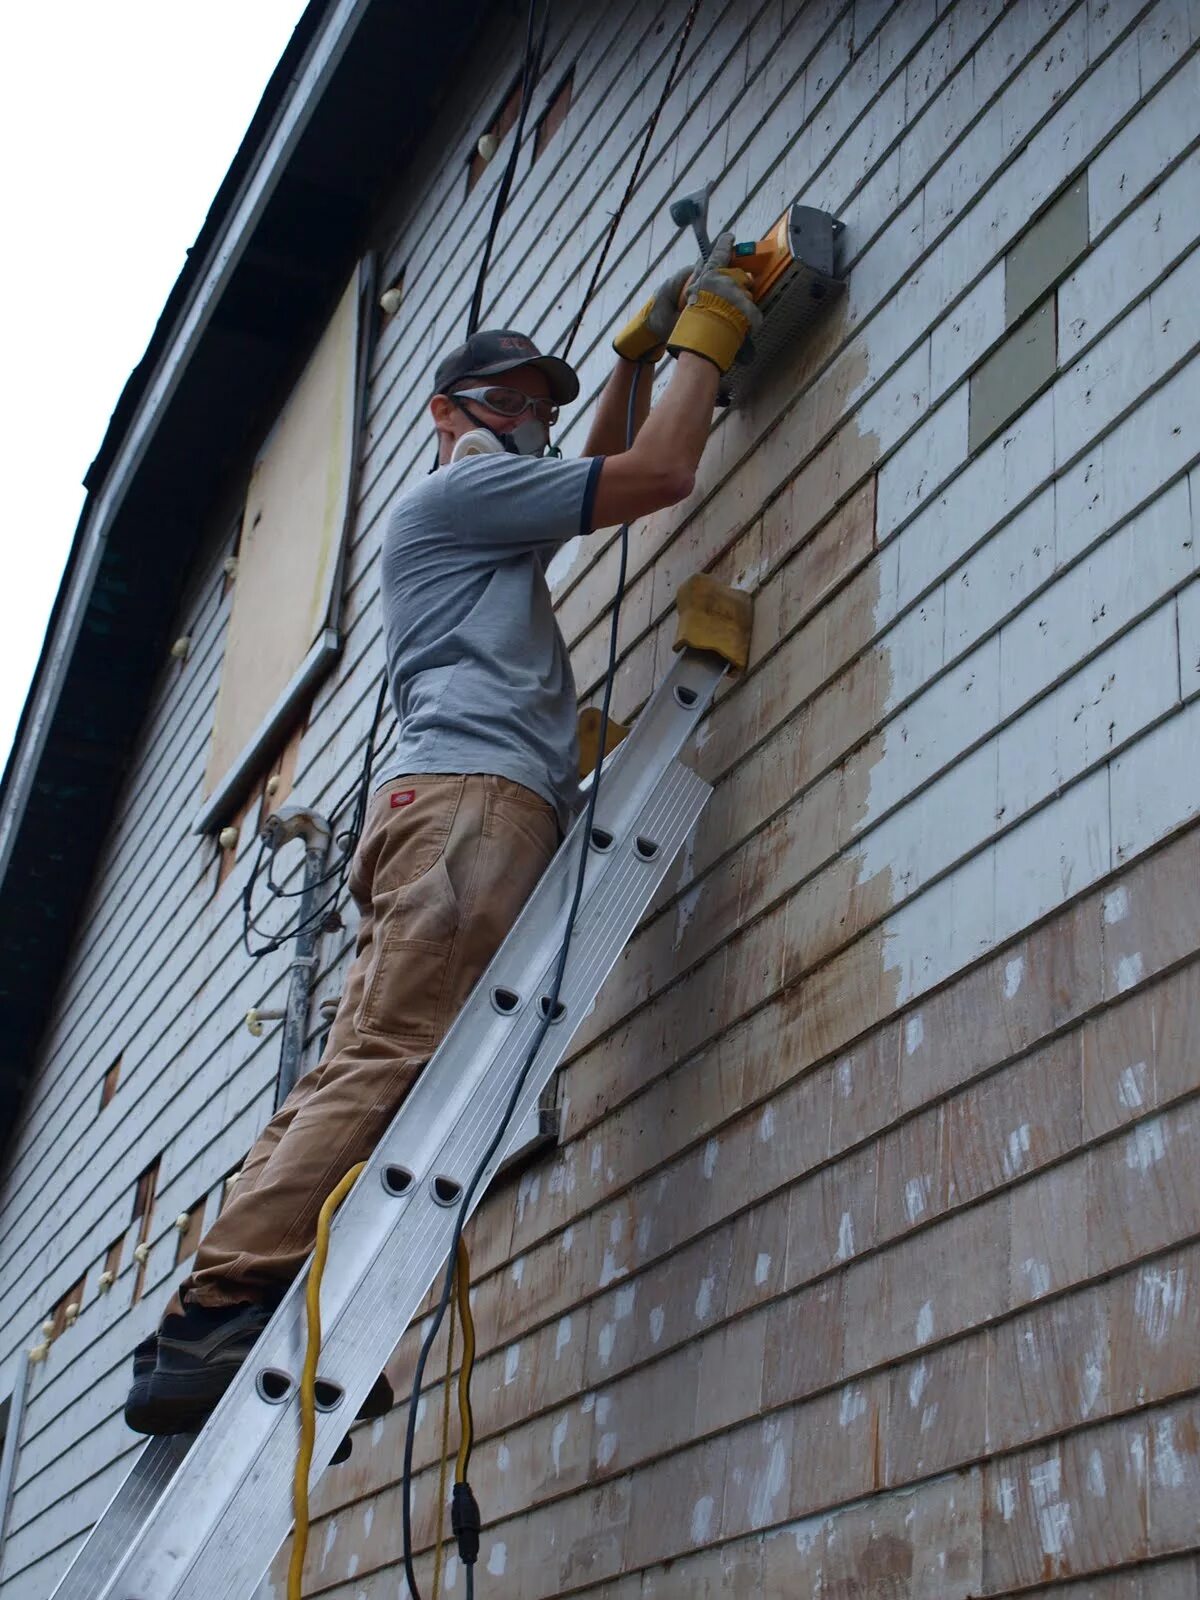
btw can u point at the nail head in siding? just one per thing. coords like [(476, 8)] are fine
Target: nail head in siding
[(1012, 374), (1042, 255)]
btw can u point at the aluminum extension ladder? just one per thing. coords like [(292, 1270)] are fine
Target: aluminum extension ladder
[(200, 1517)]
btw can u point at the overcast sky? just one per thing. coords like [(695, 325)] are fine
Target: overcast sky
[(117, 123)]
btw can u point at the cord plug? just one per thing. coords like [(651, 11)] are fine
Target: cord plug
[(464, 1520)]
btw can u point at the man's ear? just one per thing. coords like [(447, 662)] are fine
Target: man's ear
[(441, 409)]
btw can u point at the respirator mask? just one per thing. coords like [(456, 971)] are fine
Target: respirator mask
[(530, 437)]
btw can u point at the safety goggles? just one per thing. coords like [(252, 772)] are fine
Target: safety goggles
[(510, 403)]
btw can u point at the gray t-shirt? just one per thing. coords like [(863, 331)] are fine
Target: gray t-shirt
[(478, 669)]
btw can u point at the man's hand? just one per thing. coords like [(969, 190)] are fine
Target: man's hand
[(719, 312), (644, 337)]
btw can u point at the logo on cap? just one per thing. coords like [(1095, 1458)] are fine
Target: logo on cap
[(509, 342)]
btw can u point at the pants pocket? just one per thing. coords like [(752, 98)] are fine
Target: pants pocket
[(414, 936)]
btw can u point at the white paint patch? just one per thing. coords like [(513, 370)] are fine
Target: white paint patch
[(845, 1247), (766, 1125), (497, 1558), (769, 1482), (853, 1404), (352, 1566), (368, 1520), (1015, 1151), (1169, 1469), (608, 1337), (1131, 1090), (623, 1306), (512, 1362), (929, 1417), (925, 1323), (376, 1431), (807, 1534), (916, 1196), (657, 1318), (845, 1077), (1008, 1498), (597, 1160), (762, 1268), (568, 1239), (557, 1439), (1038, 1274), (603, 1409), (914, 1034), (1137, 1454), (609, 1270), (331, 1533), (451, 1572), (710, 1157), (1116, 906), (1157, 1301), (616, 1228), (704, 1297), (1014, 974), (588, 1404), (503, 1457), (421, 1411), (1091, 1382), (1097, 1487), (562, 1336), (1054, 1515), (685, 910), (607, 1449), (702, 1516), (1129, 971), (916, 1384), (1145, 1147), (518, 1270), (644, 1229)]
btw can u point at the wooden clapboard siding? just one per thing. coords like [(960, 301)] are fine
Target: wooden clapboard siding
[(869, 1252)]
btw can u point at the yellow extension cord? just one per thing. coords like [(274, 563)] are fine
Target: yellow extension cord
[(308, 1383)]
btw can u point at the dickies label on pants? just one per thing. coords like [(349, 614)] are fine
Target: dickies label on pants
[(403, 797)]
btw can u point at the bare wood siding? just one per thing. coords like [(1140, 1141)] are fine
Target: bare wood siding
[(868, 1261)]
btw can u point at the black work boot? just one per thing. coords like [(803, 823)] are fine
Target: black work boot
[(145, 1356), (198, 1355)]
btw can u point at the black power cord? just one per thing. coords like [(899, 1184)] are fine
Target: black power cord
[(468, 1509)]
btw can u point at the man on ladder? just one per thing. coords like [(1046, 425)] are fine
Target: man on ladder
[(482, 786)]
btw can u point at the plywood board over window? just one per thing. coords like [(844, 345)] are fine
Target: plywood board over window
[(283, 631)]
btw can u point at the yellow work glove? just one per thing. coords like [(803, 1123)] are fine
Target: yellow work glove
[(719, 312), (644, 336)]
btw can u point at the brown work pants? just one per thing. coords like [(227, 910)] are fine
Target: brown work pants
[(443, 868)]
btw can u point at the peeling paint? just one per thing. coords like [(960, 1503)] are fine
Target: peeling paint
[(1008, 1498), (1116, 905), (1095, 1476), (368, 1520), (623, 1306), (512, 1362), (518, 1271), (702, 1516), (711, 1150), (1015, 1151), (1145, 1146), (916, 1196), (1014, 974), (1157, 1300), (845, 1248), (557, 1439), (606, 1449), (916, 1384), (568, 1239), (1038, 1274), (762, 1268), (497, 1558), (562, 1337), (1131, 1086), (605, 1343), (1093, 1380), (845, 1077), (766, 1125), (657, 1318), (704, 1297), (352, 1565), (1129, 971), (769, 1483), (1169, 1470), (914, 1034), (853, 1404), (503, 1457), (925, 1323)]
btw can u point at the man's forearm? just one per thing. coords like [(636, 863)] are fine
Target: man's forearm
[(676, 431), (606, 436)]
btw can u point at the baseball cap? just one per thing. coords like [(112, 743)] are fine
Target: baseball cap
[(490, 351)]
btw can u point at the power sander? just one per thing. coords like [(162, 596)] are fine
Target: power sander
[(793, 273)]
